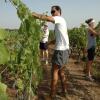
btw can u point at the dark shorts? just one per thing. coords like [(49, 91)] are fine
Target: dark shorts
[(60, 57), (91, 53), (43, 46)]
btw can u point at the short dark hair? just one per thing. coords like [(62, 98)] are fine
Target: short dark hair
[(58, 8), (88, 20)]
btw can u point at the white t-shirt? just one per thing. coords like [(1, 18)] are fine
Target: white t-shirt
[(45, 35), (61, 34)]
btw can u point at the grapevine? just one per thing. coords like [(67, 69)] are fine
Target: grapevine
[(24, 52)]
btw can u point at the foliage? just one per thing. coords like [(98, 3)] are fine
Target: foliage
[(4, 54), (23, 50), (77, 37), (98, 38), (78, 40), (3, 95)]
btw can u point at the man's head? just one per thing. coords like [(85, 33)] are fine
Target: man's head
[(55, 11), (90, 22)]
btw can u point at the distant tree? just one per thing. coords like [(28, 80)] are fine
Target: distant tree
[(77, 37), (98, 39)]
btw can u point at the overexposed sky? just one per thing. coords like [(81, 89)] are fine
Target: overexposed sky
[(74, 11)]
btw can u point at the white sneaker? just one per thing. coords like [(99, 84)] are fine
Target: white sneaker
[(90, 78)]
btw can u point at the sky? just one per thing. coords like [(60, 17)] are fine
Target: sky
[(75, 12)]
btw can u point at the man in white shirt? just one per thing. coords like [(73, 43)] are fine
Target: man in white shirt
[(60, 56), (44, 43)]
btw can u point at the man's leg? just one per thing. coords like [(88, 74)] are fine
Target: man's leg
[(89, 68), (46, 52), (46, 56), (42, 55), (89, 71), (91, 54), (63, 80), (54, 80)]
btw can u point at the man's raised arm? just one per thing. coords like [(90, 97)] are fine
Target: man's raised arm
[(93, 31), (43, 17)]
